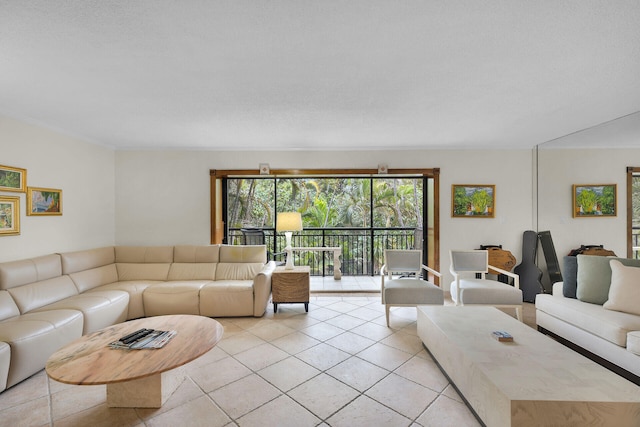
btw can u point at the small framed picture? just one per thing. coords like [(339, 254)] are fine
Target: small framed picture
[(594, 200), (9, 215), (13, 179), (473, 201), (44, 201)]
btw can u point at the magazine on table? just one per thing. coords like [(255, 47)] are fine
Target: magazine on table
[(143, 339)]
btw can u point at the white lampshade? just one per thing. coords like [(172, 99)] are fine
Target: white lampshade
[(289, 221)]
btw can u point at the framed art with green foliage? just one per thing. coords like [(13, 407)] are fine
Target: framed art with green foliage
[(473, 201), (44, 201), (9, 215), (594, 200), (13, 179)]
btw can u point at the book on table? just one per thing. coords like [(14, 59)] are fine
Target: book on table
[(143, 339)]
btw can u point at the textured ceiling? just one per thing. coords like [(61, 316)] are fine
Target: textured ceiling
[(300, 74)]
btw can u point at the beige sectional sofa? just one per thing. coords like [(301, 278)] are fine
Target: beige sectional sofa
[(588, 315), (47, 302)]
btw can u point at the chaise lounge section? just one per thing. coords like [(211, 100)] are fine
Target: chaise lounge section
[(49, 301)]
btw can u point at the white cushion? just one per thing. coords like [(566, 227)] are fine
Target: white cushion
[(633, 342), (485, 291), (624, 293), (412, 291)]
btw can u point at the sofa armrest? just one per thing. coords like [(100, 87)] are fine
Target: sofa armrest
[(262, 289), (557, 289)]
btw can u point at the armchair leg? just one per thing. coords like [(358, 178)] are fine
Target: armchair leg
[(519, 313), (386, 312)]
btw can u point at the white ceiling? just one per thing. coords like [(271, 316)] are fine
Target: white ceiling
[(328, 74)]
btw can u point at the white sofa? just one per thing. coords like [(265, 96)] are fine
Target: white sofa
[(48, 301), (586, 322)]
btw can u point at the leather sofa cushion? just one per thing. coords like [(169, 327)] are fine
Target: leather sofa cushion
[(610, 325), (5, 359), (633, 342), (238, 271), (188, 253), (192, 271), (35, 295), (34, 337), (99, 309), (8, 307), (92, 278), (73, 262), (135, 289), (173, 298), (142, 271), (144, 254), (227, 298), (18, 273), (244, 254)]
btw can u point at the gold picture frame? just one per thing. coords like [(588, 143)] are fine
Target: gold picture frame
[(594, 200), (13, 179), (44, 201), (9, 215), (473, 201)]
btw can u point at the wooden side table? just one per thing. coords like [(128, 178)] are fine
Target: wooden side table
[(290, 286)]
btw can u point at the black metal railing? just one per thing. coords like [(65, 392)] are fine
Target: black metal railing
[(635, 238), (362, 249)]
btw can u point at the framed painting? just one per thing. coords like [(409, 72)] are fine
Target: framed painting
[(473, 201), (9, 215), (595, 200), (44, 201), (13, 179)]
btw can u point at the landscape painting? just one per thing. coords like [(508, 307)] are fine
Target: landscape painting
[(44, 201), (9, 215), (13, 179), (473, 201), (594, 200)]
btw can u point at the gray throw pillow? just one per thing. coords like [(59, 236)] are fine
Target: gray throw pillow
[(569, 276), (594, 277)]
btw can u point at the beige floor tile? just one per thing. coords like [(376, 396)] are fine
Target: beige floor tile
[(366, 412), (372, 331), (299, 322), (446, 412), (384, 356), (199, 412), (357, 373), (240, 342), (350, 342), (186, 392), (101, 416), (342, 306), (323, 356), (406, 342), (424, 372), (366, 313), (346, 322), (32, 388), (260, 357), (402, 395), (271, 331), (452, 393), (295, 343), (215, 375), (244, 395), (323, 395), (74, 399), (322, 331), (323, 313), (288, 373), (29, 413), (280, 412)]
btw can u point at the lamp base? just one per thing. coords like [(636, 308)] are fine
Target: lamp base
[(289, 264)]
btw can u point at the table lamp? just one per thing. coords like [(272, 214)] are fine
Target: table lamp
[(289, 222)]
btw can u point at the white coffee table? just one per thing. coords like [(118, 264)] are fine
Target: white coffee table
[(532, 381)]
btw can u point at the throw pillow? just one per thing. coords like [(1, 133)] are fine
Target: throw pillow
[(594, 277), (624, 293), (569, 276)]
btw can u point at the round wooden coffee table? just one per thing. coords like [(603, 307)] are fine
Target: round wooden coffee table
[(135, 378)]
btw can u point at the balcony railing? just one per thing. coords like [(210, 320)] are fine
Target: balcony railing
[(362, 249)]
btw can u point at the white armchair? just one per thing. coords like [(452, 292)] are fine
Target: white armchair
[(466, 289), (407, 291)]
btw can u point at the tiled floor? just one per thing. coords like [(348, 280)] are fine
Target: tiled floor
[(346, 284), (338, 365)]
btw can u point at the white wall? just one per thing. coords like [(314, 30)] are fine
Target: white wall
[(84, 172), (163, 196)]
